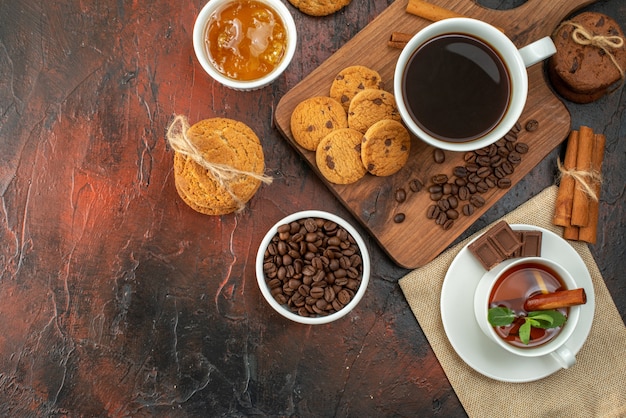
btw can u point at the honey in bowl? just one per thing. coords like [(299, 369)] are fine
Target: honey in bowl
[(513, 288), (245, 40)]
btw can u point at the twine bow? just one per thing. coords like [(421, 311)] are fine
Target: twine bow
[(581, 36), (223, 174), (584, 179)]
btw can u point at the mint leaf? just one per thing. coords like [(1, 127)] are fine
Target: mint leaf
[(500, 316), (541, 321), (524, 332), (548, 319)]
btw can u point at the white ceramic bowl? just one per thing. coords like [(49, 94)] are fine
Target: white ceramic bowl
[(199, 30), (283, 309)]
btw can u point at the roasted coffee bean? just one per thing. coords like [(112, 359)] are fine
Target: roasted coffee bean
[(510, 146), (447, 224), (499, 172), (436, 196), (483, 172), (514, 158), (477, 200), (496, 160), (473, 178), (507, 167), (469, 157), (329, 294), (443, 204), (491, 181), (471, 187), (432, 212), (511, 136), (481, 152), (468, 209), (446, 188), (482, 187), (452, 214), (399, 218), (440, 178), (521, 147), (503, 151), (310, 225), (464, 193), (532, 125), (459, 171), (415, 185), (517, 127), (483, 161), (400, 195), (308, 262), (344, 297), (316, 292), (441, 218), (471, 168), (460, 182), (439, 156), (453, 201), (504, 183), (437, 188)]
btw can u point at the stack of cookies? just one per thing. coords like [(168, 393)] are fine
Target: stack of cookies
[(218, 165), (590, 58), (354, 130)]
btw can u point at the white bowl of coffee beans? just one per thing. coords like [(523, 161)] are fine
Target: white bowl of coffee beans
[(313, 267)]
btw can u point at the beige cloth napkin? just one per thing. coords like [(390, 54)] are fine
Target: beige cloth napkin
[(594, 387)]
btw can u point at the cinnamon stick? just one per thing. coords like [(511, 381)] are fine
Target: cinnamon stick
[(589, 232), (563, 209), (432, 12), (571, 232), (556, 300), (580, 202), (429, 11), (399, 39)]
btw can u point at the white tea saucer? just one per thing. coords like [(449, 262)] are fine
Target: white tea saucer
[(474, 347)]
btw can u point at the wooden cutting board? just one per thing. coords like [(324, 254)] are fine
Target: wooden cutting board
[(417, 240)]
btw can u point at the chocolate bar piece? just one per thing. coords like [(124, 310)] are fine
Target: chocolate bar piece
[(496, 245), (531, 244)]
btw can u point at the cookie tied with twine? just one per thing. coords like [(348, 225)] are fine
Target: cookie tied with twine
[(218, 164), (590, 58)]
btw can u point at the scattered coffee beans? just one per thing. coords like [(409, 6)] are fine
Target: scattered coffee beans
[(313, 266), (460, 193), (484, 169)]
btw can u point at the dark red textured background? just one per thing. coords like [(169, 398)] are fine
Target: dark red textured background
[(116, 299)]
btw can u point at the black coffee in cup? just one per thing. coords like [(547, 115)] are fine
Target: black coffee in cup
[(456, 87)]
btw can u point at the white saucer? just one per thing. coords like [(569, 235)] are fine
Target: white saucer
[(474, 347)]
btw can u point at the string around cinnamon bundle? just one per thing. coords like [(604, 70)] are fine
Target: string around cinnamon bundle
[(218, 164), (578, 198)]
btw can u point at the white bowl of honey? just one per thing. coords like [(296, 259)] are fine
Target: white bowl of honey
[(244, 44)]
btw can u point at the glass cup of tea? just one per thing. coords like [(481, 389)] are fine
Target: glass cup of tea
[(461, 84), (509, 285)]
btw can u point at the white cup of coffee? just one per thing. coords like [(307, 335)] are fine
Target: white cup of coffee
[(461, 84), (511, 283)]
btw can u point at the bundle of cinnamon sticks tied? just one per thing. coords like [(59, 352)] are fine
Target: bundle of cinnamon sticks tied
[(578, 199)]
